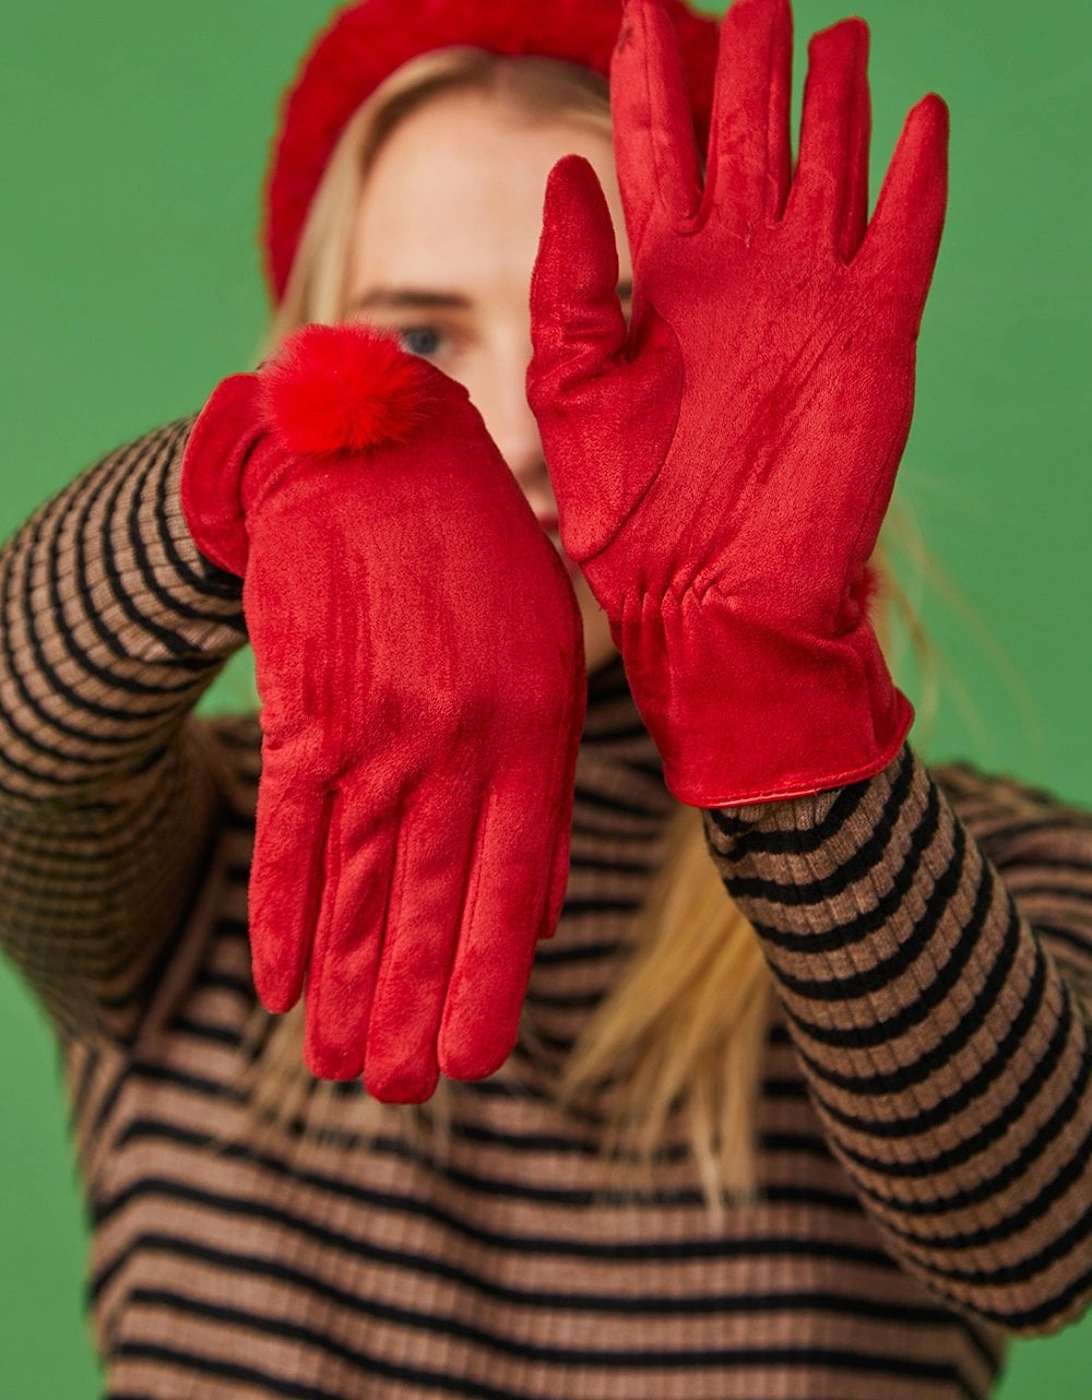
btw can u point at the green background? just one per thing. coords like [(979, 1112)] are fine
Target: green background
[(132, 138)]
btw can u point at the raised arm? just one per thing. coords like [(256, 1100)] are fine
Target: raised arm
[(722, 464), (113, 626), (932, 947)]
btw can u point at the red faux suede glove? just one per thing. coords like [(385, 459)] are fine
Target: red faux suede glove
[(722, 466), (420, 663)]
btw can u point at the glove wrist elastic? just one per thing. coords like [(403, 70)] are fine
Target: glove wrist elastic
[(746, 712)]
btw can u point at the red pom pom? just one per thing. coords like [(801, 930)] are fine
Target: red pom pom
[(342, 388)]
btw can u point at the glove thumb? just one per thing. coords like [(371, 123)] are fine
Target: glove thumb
[(594, 387)]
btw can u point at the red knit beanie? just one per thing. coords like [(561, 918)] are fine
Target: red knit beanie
[(368, 40)]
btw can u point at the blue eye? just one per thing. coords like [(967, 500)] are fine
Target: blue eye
[(420, 340)]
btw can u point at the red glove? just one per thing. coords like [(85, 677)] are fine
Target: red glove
[(722, 467), (420, 662)]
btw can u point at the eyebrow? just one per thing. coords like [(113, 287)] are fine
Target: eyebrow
[(415, 299), (409, 298)]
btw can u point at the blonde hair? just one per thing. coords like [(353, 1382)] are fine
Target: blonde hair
[(533, 88), (685, 1028)]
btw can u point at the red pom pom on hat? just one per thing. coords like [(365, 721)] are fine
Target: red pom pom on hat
[(345, 388), (366, 41)]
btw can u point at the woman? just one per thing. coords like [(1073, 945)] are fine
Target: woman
[(934, 1196)]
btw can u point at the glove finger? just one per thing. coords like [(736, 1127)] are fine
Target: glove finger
[(749, 152), (434, 868), (509, 901), (286, 880), (654, 145), (559, 809), (831, 188), (577, 325), (556, 811), (901, 246), (350, 935), (559, 870), (594, 389)]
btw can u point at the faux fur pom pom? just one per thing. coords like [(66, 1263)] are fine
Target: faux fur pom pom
[(342, 388)]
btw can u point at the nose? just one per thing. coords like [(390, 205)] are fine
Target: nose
[(520, 445), (502, 401), (515, 430)]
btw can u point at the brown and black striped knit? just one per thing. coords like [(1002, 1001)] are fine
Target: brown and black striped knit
[(925, 1168)]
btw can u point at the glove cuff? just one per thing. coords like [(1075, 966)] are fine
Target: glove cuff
[(220, 444), (744, 712), (329, 391)]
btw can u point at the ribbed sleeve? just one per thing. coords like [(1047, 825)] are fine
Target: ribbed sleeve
[(113, 626), (938, 1001)]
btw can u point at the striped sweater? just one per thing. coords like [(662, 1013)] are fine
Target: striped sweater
[(926, 1109)]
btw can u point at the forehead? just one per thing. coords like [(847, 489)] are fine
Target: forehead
[(456, 191)]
